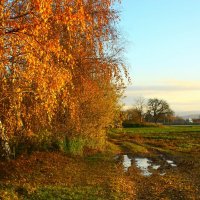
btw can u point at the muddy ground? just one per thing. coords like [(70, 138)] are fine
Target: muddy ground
[(176, 157), (54, 175)]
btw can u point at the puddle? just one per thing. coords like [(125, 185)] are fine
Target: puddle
[(143, 164), (146, 165), (155, 166), (171, 162), (126, 162)]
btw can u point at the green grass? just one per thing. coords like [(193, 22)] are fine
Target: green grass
[(166, 132), (75, 193), (75, 146), (167, 138), (94, 192), (164, 129), (134, 148)]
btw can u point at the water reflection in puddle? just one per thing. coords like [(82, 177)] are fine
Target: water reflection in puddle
[(155, 166), (126, 162), (143, 164), (147, 166), (171, 162)]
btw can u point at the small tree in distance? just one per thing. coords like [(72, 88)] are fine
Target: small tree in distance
[(140, 108), (157, 109), (137, 113)]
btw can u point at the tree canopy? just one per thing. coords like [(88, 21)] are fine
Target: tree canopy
[(157, 108), (59, 65)]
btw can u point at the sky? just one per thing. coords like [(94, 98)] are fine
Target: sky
[(163, 51)]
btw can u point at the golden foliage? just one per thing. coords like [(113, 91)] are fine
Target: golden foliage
[(55, 70)]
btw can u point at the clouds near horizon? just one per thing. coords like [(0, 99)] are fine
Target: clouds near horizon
[(181, 95)]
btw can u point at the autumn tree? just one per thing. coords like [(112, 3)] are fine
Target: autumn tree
[(59, 62)]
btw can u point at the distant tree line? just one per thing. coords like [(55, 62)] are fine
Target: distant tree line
[(152, 110)]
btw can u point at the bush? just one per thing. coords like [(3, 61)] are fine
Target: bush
[(47, 141), (80, 146), (130, 124), (74, 146), (43, 141)]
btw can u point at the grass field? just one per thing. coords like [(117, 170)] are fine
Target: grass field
[(166, 138), (52, 175)]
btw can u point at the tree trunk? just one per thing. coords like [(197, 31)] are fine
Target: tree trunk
[(155, 119), (5, 151)]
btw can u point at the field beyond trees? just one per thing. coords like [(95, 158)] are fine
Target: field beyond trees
[(107, 175)]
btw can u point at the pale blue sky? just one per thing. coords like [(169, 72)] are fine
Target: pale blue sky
[(163, 50)]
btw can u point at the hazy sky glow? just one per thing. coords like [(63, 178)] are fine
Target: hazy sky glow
[(163, 51)]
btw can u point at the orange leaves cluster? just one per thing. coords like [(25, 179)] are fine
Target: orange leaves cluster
[(53, 62)]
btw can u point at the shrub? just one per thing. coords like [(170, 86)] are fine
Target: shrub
[(130, 124), (43, 141), (74, 146)]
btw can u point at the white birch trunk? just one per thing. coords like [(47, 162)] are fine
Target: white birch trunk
[(4, 145)]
